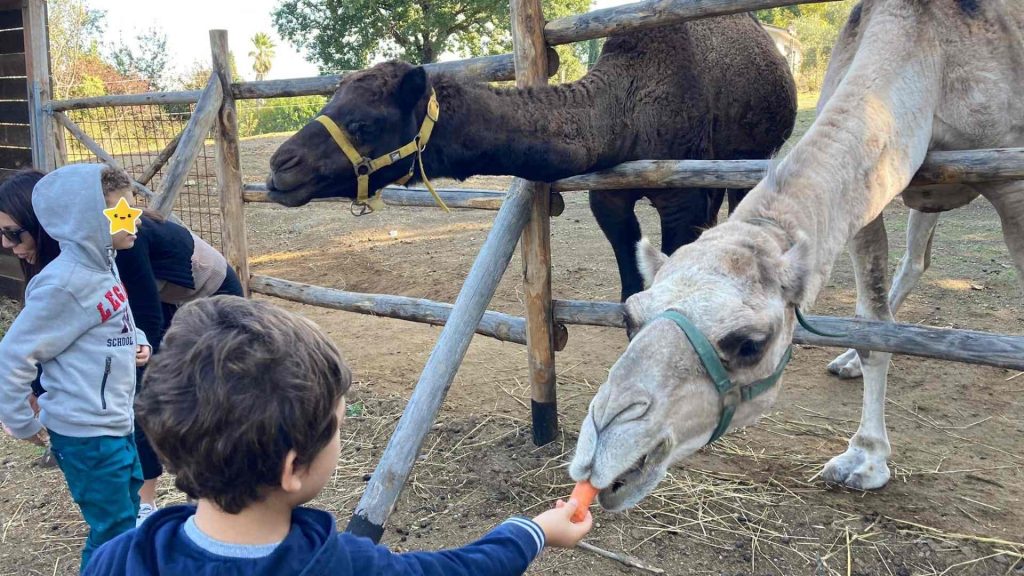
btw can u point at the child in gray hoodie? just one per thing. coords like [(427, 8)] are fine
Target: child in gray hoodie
[(76, 325)]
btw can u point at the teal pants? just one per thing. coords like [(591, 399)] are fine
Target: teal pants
[(104, 476)]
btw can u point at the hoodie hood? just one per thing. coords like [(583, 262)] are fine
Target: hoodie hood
[(160, 546), (69, 204)]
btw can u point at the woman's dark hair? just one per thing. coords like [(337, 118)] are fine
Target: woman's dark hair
[(16, 202)]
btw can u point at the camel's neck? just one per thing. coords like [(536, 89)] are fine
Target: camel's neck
[(544, 133), (861, 152)]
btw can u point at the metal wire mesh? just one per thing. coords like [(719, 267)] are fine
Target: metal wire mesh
[(135, 136)]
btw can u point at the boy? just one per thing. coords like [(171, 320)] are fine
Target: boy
[(76, 325), (244, 404)]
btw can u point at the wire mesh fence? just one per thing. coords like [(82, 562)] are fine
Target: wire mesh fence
[(135, 136)]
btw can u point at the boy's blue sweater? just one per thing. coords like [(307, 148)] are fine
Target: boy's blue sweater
[(312, 547)]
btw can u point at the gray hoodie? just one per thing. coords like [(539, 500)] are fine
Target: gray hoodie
[(76, 322)]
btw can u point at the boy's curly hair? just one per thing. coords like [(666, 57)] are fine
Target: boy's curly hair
[(236, 385)]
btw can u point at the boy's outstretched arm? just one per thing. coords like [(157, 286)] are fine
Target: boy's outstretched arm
[(51, 320), (506, 550)]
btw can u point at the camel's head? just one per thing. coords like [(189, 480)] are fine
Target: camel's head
[(737, 285), (380, 109)]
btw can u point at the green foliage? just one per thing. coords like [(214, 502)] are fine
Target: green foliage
[(262, 54), (145, 58), (346, 35), (278, 115), (74, 30), (817, 27)]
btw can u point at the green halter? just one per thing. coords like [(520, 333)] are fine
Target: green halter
[(730, 394)]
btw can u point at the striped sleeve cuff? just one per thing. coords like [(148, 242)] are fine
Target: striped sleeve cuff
[(531, 527)]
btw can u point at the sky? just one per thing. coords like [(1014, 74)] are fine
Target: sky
[(187, 24)]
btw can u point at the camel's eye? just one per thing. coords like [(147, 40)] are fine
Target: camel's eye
[(743, 348)]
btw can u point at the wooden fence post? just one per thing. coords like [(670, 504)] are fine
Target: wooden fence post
[(400, 454), (530, 55), (192, 140), (229, 170), (37, 68)]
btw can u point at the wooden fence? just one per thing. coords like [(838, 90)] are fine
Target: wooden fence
[(522, 218)]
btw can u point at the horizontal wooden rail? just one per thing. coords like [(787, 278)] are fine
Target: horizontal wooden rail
[(946, 167), (399, 196), (144, 99), (497, 325), (649, 14), (966, 346), (498, 68)]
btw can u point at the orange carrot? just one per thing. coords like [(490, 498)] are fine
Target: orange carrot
[(584, 494)]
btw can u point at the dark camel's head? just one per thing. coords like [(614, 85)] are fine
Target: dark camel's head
[(380, 108)]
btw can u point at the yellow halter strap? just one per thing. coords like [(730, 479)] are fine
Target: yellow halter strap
[(364, 167)]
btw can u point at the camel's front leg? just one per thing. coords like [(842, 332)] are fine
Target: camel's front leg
[(864, 464), (917, 258)]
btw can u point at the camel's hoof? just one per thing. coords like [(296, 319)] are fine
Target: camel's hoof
[(857, 469), (846, 365)]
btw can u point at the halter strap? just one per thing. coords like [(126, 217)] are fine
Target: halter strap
[(364, 166), (730, 394)]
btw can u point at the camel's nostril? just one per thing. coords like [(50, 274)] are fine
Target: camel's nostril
[(288, 163)]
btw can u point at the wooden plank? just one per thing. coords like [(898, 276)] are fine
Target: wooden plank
[(12, 41), (9, 264), (229, 168), (396, 462), (484, 68), (44, 145), (649, 14), (496, 325), (400, 196), (12, 288), (192, 140), (13, 89), (966, 346), (14, 113), (15, 158), (143, 99), (530, 55), (10, 19), (15, 135), (12, 65), (968, 166)]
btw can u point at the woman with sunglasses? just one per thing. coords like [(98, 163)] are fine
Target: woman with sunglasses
[(167, 267)]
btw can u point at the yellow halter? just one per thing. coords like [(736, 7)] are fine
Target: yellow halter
[(364, 167)]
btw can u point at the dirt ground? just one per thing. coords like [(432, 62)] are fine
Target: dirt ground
[(750, 505)]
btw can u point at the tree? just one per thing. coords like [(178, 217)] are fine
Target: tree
[(198, 73), (74, 30), (262, 54), (817, 27), (345, 35), (146, 58)]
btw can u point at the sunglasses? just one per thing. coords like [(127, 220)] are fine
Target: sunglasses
[(13, 236)]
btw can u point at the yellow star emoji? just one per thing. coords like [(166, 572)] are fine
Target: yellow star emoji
[(122, 217)]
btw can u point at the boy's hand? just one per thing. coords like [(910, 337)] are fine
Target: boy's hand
[(559, 531), (41, 438), (142, 354)]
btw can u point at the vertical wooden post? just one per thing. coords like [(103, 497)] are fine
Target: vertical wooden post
[(404, 446), (37, 68), (530, 54), (229, 170)]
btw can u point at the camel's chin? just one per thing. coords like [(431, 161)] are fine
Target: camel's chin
[(290, 198)]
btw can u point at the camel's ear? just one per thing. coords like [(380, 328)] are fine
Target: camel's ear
[(649, 259), (793, 270), (411, 88)]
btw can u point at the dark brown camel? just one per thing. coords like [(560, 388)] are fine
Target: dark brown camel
[(708, 89)]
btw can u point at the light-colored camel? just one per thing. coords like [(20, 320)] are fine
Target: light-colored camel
[(906, 76)]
